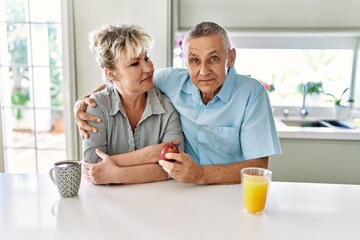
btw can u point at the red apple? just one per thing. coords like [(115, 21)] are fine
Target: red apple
[(168, 148)]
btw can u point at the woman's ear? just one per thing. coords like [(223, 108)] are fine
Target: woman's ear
[(109, 74), (231, 58)]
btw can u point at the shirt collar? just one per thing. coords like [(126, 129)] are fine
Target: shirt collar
[(153, 104), (226, 90), (224, 94), (115, 99)]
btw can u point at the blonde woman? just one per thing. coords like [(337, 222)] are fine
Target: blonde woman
[(136, 118)]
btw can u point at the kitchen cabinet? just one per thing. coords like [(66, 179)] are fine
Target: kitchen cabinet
[(317, 160)]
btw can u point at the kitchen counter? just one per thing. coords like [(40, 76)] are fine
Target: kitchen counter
[(291, 132), (31, 208), (315, 113)]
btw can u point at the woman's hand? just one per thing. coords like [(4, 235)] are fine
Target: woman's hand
[(104, 172)]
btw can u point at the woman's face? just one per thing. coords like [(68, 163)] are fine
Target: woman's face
[(132, 76)]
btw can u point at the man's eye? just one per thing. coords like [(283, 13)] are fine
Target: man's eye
[(214, 59), (194, 61)]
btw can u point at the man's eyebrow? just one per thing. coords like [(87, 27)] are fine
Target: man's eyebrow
[(192, 54), (215, 51), (210, 53)]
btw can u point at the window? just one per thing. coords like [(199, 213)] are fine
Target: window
[(285, 71), (285, 62), (31, 84)]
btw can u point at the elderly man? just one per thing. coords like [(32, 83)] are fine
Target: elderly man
[(226, 117)]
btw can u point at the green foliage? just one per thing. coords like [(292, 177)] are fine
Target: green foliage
[(19, 98), (342, 100), (312, 87)]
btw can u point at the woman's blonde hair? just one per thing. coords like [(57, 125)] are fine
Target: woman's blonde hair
[(112, 43)]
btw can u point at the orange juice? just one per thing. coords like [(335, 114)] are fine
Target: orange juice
[(255, 191)]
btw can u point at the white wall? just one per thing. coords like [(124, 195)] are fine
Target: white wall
[(272, 14), (89, 14), (2, 167)]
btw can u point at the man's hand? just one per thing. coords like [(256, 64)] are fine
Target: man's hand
[(104, 172), (184, 169), (81, 117)]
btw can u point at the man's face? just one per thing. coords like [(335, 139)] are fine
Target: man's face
[(207, 61)]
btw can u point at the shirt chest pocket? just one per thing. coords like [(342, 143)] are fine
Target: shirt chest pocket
[(226, 139)]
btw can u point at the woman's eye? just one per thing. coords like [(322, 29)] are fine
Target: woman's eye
[(134, 64), (146, 58)]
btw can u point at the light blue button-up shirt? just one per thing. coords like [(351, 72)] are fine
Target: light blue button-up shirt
[(236, 125)]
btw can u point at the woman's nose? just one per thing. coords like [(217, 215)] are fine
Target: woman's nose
[(148, 66)]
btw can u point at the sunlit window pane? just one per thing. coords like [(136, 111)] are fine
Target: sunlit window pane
[(40, 44), (39, 14), (18, 35), (55, 44), (19, 128), (287, 69), (16, 10)]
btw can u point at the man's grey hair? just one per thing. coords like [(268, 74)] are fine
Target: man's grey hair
[(206, 29)]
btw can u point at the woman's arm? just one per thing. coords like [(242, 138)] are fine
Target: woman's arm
[(107, 172), (147, 155)]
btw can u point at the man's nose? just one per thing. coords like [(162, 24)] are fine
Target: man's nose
[(204, 69)]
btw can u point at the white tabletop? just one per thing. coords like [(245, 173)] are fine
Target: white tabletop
[(30, 208)]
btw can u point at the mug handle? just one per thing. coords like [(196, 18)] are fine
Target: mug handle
[(51, 174)]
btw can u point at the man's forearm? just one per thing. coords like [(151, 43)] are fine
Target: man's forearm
[(229, 173)]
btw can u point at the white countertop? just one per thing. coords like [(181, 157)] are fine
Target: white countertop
[(316, 113), (285, 131), (31, 208)]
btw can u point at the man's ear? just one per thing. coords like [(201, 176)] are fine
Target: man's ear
[(231, 58), (109, 74)]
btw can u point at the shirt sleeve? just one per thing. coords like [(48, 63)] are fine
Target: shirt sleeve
[(99, 139), (160, 78), (173, 129), (258, 132), (169, 80)]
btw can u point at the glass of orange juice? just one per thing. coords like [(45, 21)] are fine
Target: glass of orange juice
[(255, 184)]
